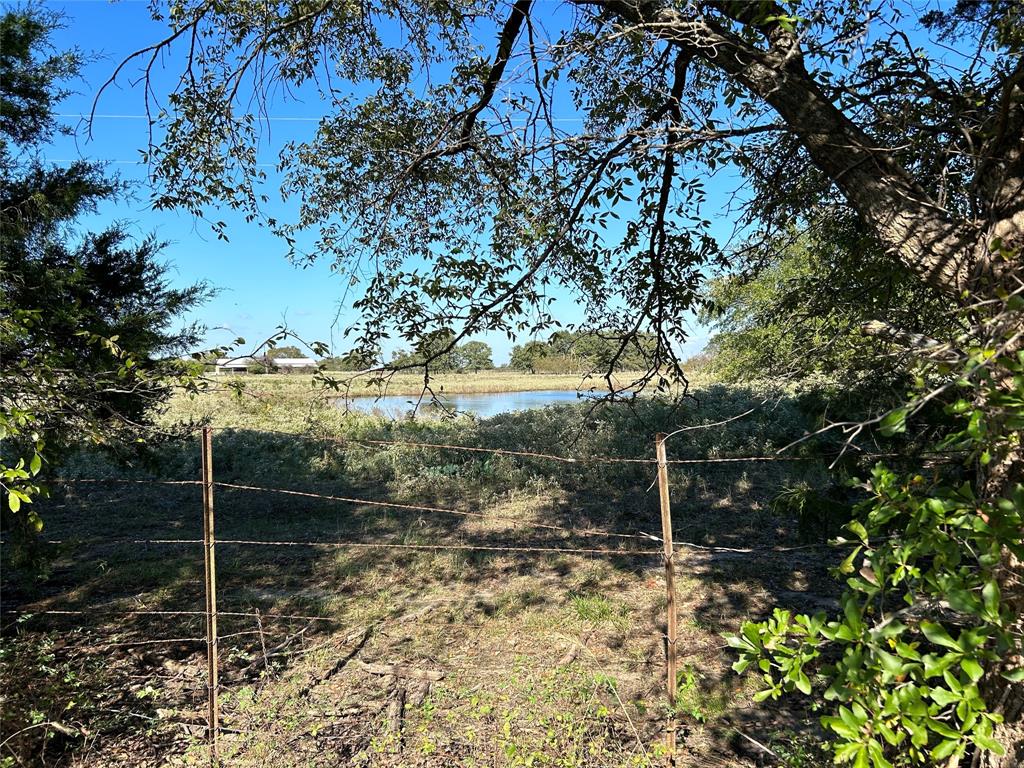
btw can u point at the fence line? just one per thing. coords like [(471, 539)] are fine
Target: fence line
[(127, 480), (443, 510), (711, 548), (378, 627), (441, 547), (129, 643), (368, 442), (375, 545), (442, 621), (415, 507), (130, 612), (463, 664)]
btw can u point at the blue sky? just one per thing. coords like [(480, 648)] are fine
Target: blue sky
[(258, 289)]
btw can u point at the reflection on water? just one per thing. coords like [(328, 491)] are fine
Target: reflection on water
[(482, 404)]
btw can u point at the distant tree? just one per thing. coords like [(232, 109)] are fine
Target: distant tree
[(474, 356), (353, 360), (286, 351), (584, 352), (526, 357), (89, 344)]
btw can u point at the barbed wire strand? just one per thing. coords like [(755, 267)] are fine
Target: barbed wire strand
[(368, 442), (711, 548), (195, 614), (125, 480), (443, 510), (395, 545), (416, 507)]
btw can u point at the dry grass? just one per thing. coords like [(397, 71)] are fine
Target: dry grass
[(498, 380)]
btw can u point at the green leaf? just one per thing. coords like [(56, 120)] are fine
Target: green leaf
[(857, 529), (945, 749), (973, 669), (944, 697), (847, 565), (942, 729), (889, 662), (990, 597), (836, 725), (803, 683), (938, 635), (894, 422), (13, 502), (987, 742)]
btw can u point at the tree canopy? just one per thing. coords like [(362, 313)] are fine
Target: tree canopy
[(289, 350), (90, 329), (582, 113), (803, 312), (575, 148), (469, 356), (583, 352)]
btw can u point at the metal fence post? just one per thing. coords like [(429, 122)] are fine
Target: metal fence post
[(210, 564), (670, 591)]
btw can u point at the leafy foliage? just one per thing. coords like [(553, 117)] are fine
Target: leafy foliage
[(926, 620), (584, 352), (798, 311), (85, 321)]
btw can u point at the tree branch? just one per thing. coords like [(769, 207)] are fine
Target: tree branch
[(911, 226)]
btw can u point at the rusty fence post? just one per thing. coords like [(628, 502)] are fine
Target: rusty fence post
[(210, 564), (670, 592)]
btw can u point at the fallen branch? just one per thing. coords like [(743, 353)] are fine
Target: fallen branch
[(400, 670), (340, 664)]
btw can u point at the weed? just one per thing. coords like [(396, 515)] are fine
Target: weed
[(598, 609), (798, 750), (693, 701)]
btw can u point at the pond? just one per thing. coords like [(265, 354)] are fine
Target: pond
[(482, 404)]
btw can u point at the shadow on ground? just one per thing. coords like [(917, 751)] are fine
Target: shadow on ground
[(525, 652)]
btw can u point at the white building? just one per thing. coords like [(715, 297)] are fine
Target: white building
[(234, 365)]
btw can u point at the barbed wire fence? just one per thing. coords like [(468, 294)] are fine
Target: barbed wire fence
[(661, 548)]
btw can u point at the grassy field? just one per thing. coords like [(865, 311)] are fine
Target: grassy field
[(498, 380), (536, 658)]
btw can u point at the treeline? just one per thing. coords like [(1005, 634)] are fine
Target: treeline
[(564, 352), (470, 356), (582, 352)]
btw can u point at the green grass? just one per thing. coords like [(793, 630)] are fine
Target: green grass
[(552, 659)]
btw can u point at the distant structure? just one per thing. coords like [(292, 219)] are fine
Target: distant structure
[(239, 366), (235, 365)]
